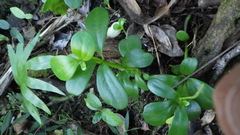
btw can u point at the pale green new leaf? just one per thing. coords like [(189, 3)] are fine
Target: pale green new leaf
[(93, 102), (41, 85), (39, 62), (18, 12), (4, 24), (29, 47), (32, 110), (110, 89), (31, 97)]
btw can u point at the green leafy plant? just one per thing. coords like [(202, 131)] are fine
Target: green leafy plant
[(183, 103), (20, 64), (20, 14), (60, 6)]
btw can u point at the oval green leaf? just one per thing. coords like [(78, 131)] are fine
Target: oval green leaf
[(161, 89), (18, 12), (137, 58), (39, 62), (73, 3), (179, 124), (140, 82), (170, 80), (77, 84), (93, 102), (156, 113), (182, 35), (128, 44), (111, 118), (64, 66), (176, 69), (4, 24), (193, 110), (110, 89), (97, 117), (204, 99), (97, 25), (83, 45), (188, 66)]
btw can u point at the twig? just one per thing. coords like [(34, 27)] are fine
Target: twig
[(211, 61)]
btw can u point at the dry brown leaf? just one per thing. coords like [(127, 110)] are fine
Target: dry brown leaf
[(208, 117), (19, 127)]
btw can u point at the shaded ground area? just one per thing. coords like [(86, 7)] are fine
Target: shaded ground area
[(71, 112)]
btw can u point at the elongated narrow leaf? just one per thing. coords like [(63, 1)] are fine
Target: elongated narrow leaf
[(156, 113), (188, 66), (77, 84), (32, 110), (41, 85), (4, 24), (110, 89), (170, 80), (97, 25), (17, 12), (128, 44), (140, 82), (73, 3), (16, 34), (83, 45), (39, 62), (137, 58), (111, 118), (64, 66), (31, 97), (161, 89), (179, 124), (204, 99), (93, 101), (6, 122), (29, 47)]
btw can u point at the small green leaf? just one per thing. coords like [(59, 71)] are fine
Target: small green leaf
[(176, 69), (77, 84), (110, 89), (170, 80), (6, 122), (39, 62), (179, 124), (70, 132), (161, 89), (128, 44), (137, 58), (130, 88), (97, 25), (83, 45), (93, 102), (97, 117), (18, 12), (182, 35), (57, 6), (28, 16), (188, 66), (32, 110), (4, 24), (29, 47), (156, 113), (111, 118), (73, 3), (63, 66), (204, 99), (193, 110), (3, 38), (140, 82), (24, 117), (16, 34)]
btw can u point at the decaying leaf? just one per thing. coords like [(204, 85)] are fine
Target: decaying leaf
[(19, 127), (121, 129), (208, 3), (165, 39), (208, 117), (60, 40)]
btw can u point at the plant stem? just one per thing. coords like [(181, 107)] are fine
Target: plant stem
[(195, 95), (99, 61), (185, 29)]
